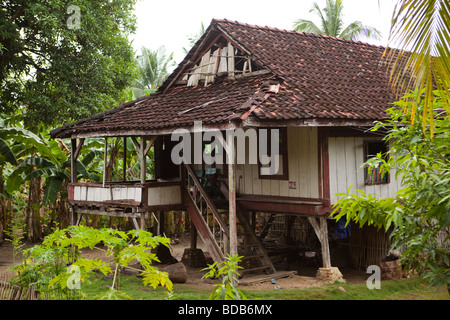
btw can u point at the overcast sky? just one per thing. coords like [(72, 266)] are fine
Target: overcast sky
[(170, 23)]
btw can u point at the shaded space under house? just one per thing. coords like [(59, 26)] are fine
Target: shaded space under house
[(320, 94)]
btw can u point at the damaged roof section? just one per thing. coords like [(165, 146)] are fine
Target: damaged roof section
[(220, 103), (239, 74)]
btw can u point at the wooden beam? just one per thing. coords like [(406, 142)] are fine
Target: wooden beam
[(322, 234), (136, 224), (136, 143), (230, 53), (143, 162), (150, 143), (232, 199), (194, 234), (124, 166), (105, 160), (78, 149), (73, 161), (143, 150), (324, 166)]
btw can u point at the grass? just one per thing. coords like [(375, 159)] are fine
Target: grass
[(403, 289)]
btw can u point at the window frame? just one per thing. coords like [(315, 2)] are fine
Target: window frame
[(367, 156), (283, 152)]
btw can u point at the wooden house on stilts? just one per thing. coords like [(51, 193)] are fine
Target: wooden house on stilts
[(319, 94)]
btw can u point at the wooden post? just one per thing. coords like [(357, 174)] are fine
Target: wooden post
[(143, 158), (124, 158), (143, 147), (76, 148), (232, 199), (105, 160), (322, 233), (73, 160), (193, 233), (142, 220), (160, 220), (230, 60)]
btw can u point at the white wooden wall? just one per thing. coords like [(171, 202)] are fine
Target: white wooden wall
[(303, 169), (345, 158), (100, 194), (166, 195)]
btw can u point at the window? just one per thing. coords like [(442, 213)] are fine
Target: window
[(273, 166), (375, 175)]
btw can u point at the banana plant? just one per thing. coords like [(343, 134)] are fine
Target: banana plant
[(6, 154), (40, 158)]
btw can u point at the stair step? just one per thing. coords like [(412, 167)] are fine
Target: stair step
[(253, 256), (255, 269), (248, 245)]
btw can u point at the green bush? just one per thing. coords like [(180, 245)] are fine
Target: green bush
[(56, 268)]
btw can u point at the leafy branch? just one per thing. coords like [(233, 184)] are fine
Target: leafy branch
[(228, 271), (62, 248)]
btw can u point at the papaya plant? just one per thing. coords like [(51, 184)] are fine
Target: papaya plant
[(50, 266), (228, 271)]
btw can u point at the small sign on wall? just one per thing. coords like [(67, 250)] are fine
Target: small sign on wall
[(292, 185)]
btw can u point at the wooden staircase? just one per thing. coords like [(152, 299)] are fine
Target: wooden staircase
[(209, 223), (214, 231), (251, 248)]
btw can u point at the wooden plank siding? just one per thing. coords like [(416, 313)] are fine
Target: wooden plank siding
[(303, 169), (155, 195), (346, 154)]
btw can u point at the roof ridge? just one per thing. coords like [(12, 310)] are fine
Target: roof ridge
[(314, 35)]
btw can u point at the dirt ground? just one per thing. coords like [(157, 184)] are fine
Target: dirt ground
[(304, 278)]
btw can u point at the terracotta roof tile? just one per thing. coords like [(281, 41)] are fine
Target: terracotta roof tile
[(320, 77)]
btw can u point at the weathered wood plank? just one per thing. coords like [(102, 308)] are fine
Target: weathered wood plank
[(231, 66)]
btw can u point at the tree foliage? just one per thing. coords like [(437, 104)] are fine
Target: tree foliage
[(421, 29), (331, 23), (64, 60), (46, 265), (228, 271), (420, 213), (41, 159), (153, 67)]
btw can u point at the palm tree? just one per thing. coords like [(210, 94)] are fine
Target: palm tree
[(331, 19), (421, 29), (153, 67), (194, 38)]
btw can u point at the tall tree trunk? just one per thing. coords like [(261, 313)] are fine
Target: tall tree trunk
[(2, 204), (35, 205)]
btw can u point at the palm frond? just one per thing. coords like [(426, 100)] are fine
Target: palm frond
[(306, 26), (421, 29), (357, 29), (153, 67), (331, 19), (334, 14)]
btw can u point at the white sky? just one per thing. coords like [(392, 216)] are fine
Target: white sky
[(170, 23)]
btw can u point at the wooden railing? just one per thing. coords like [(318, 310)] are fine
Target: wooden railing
[(210, 214)]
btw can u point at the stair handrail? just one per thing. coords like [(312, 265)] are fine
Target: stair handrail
[(223, 226)]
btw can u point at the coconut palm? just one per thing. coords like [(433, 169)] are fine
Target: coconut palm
[(194, 38), (331, 19), (153, 67), (421, 29)]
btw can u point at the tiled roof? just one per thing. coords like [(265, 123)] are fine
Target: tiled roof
[(325, 77), (321, 78)]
